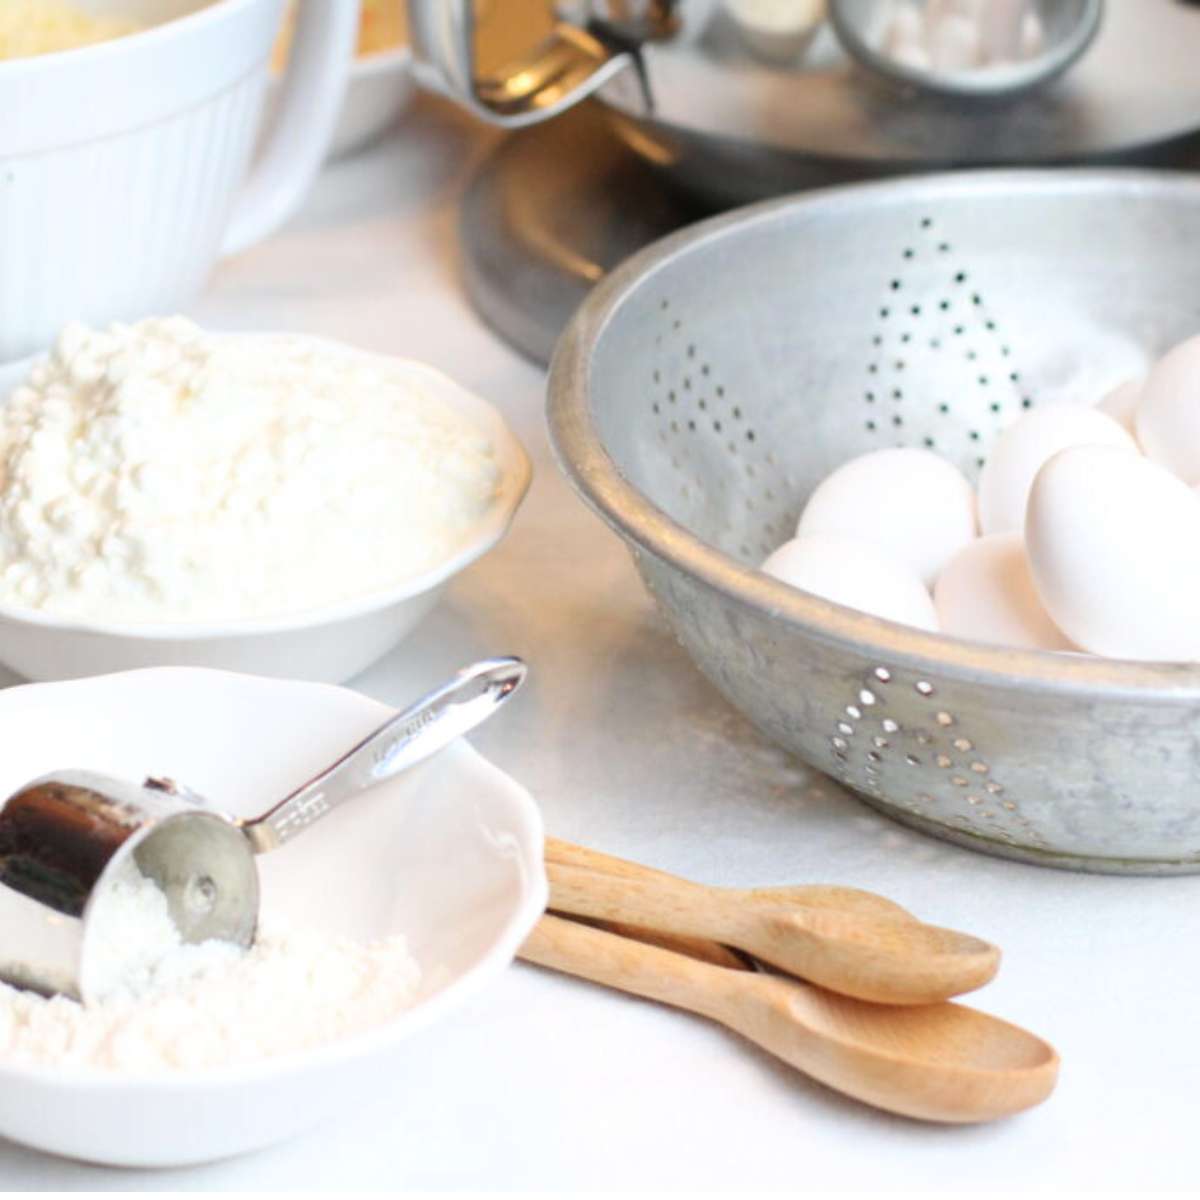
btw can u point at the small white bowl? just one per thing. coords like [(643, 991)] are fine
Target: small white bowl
[(448, 854), (327, 645), (378, 88)]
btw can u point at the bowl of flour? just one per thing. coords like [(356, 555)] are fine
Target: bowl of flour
[(366, 937), (269, 503)]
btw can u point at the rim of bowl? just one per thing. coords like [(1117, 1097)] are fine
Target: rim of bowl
[(1008, 81), (516, 475), (213, 10), (379, 62), (593, 473), (357, 1045), (367, 66)]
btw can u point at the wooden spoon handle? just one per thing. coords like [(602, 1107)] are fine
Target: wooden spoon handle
[(704, 949), (656, 902), (570, 855), (627, 965), (813, 895), (701, 949)]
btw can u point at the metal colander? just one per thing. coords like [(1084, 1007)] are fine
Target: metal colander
[(705, 388)]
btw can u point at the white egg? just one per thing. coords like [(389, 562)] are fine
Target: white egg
[(1025, 445), (856, 575), (986, 593), (1001, 22), (954, 43), (1114, 548), (1033, 36), (1121, 404), (904, 38), (913, 505), (1168, 416)]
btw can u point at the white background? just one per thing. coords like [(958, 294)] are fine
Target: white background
[(546, 1082)]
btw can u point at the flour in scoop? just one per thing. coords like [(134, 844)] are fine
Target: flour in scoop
[(156, 473), (133, 945), (165, 1006)]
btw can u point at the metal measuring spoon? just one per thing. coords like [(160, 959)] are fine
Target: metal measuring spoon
[(66, 836), (1070, 27)]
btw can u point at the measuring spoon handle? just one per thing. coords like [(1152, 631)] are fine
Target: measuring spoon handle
[(421, 730)]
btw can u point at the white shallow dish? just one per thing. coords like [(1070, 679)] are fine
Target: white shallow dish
[(326, 645), (449, 855)]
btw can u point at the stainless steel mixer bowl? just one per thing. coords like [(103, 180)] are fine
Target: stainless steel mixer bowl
[(708, 384), (709, 114)]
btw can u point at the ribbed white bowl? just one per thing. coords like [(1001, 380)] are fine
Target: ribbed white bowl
[(121, 163)]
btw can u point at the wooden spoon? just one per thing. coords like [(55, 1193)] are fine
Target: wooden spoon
[(811, 895), (885, 959), (705, 949), (940, 1062)]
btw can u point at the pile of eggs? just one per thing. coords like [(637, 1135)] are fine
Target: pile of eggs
[(962, 35), (1084, 534)]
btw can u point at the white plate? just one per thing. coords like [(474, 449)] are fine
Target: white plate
[(449, 854)]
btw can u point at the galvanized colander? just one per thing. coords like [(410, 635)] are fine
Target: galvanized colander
[(706, 387)]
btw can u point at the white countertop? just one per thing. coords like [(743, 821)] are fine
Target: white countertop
[(549, 1083)]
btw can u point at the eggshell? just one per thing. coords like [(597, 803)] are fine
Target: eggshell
[(912, 504), (1168, 416), (1025, 445), (954, 43), (856, 575), (1114, 548), (1033, 36), (1122, 403), (904, 38), (986, 593), (1000, 23)]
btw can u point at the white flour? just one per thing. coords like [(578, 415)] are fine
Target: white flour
[(157, 473), (134, 947), (169, 1007)]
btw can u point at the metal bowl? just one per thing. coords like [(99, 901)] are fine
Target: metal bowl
[(1070, 27), (707, 385)]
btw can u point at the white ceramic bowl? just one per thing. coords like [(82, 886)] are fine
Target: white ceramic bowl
[(328, 645), (126, 165), (449, 855), (379, 88)]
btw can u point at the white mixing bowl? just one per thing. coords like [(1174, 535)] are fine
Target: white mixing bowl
[(126, 165)]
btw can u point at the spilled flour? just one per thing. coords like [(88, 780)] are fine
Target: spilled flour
[(164, 1006)]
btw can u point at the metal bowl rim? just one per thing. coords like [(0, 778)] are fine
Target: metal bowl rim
[(582, 455), (1019, 80)]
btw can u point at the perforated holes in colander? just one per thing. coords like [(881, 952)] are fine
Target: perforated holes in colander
[(898, 742), (939, 372), (695, 412)]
